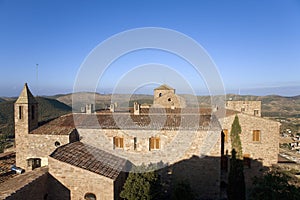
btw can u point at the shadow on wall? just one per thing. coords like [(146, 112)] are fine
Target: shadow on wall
[(205, 178), (56, 190)]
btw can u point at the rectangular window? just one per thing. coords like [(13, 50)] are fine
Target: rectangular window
[(256, 112), (154, 143), (256, 135), (33, 163), (225, 131), (118, 142), (134, 143), (20, 112)]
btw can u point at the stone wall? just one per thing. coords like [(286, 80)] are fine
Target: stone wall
[(174, 145), (37, 146), (266, 150), (247, 107), (80, 181), (167, 99)]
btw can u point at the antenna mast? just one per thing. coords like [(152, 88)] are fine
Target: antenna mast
[(37, 79)]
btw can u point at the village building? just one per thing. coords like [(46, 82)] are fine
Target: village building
[(87, 155)]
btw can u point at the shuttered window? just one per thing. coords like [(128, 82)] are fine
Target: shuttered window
[(256, 135), (118, 142), (154, 143)]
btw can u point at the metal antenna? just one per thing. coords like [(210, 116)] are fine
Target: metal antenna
[(37, 79)]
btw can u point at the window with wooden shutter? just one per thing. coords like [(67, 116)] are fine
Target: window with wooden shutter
[(154, 143), (256, 135), (118, 142)]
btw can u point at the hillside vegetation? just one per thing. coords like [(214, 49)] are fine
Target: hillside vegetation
[(48, 109)]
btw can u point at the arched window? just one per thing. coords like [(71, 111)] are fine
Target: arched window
[(160, 94), (90, 196)]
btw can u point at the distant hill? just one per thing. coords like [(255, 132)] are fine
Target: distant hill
[(272, 105), (48, 109), (104, 100)]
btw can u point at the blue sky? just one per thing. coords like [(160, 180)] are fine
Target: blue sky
[(254, 44)]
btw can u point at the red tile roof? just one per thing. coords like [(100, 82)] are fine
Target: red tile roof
[(187, 119), (6, 161), (92, 159)]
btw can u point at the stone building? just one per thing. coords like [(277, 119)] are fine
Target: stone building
[(164, 96), (247, 107), (103, 146)]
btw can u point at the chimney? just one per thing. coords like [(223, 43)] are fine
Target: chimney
[(136, 108)]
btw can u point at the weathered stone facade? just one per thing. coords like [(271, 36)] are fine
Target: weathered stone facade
[(164, 96), (247, 107), (81, 181)]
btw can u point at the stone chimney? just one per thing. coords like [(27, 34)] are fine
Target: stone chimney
[(112, 107), (136, 108), (89, 108)]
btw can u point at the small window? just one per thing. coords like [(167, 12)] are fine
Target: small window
[(33, 163), (20, 112), (154, 143), (256, 135), (90, 196), (256, 112), (160, 94), (118, 142), (225, 131), (134, 143), (169, 99), (32, 112), (57, 143)]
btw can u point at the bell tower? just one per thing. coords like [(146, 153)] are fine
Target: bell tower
[(26, 119)]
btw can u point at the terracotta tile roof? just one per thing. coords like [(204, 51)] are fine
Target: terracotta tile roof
[(63, 125), (12, 185), (188, 118), (92, 159), (6, 161)]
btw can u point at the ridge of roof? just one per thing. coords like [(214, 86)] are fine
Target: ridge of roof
[(26, 96)]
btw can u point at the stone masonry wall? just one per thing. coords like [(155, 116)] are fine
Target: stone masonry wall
[(167, 99), (80, 181), (246, 107), (266, 150), (174, 145), (37, 146)]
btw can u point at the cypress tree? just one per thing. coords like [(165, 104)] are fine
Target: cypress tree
[(236, 180)]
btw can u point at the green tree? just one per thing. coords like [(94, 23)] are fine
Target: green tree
[(142, 183), (235, 132), (274, 185), (236, 180)]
